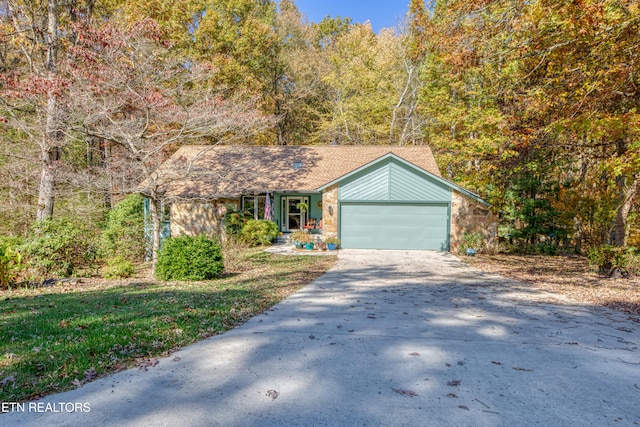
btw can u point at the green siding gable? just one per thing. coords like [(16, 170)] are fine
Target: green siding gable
[(392, 180)]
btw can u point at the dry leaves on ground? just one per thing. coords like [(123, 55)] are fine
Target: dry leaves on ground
[(404, 392), (568, 275)]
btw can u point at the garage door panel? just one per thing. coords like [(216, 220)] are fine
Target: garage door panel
[(394, 226)]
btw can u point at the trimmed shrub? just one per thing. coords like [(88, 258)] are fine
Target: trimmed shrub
[(118, 268), (259, 232), (59, 247), (10, 261), (124, 232), (189, 258)]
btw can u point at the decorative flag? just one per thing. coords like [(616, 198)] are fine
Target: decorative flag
[(267, 207)]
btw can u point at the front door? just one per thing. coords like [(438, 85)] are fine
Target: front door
[(293, 218)]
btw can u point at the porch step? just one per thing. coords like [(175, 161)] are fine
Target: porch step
[(284, 238)]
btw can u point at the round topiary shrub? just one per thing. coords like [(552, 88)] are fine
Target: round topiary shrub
[(259, 232), (189, 258)]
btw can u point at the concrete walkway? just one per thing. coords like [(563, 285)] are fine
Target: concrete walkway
[(387, 338)]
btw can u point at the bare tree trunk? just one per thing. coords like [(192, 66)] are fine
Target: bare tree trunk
[(156, 220), (400, 102), (52, 135), (577, 225), (627, 197), (46, 195)]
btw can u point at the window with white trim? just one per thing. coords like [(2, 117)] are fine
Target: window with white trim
[(255, 205)]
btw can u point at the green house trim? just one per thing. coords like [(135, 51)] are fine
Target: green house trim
[(409, 165)]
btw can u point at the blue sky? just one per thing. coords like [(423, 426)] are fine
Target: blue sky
[(381, 13)]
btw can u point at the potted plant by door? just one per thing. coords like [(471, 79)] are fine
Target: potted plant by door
[(302, 207), (300, 238), (332, 243)]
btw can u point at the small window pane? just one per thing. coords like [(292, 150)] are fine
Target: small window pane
[(261, 204), (248, 204), (293, 206)]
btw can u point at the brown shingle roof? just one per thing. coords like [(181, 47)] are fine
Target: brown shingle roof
[(228, 171)]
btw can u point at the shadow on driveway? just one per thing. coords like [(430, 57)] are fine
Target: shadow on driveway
[(387, 338)]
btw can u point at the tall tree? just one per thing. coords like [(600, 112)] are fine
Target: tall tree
[(585, 58), (558, 78), (296, 91), (33, 85), (127, 88), (368, 84)]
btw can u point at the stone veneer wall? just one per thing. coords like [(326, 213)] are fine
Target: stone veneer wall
[(330, 211), (469, 216), (196, 217)]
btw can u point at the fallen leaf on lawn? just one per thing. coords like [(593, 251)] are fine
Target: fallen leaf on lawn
[(63, 323), (90, 374), (144, 363), (409, 393), (77, 383), (8, 379), (414, 354), (454, 383), (272, 394), (118, 367), (523, 369)]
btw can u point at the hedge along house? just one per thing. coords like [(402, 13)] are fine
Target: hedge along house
[(374, 197)]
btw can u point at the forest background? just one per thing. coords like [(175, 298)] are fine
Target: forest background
[(533, 105)]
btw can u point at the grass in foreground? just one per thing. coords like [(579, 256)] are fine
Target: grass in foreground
[(57, 338)]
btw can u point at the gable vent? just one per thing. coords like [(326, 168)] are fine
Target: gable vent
[(297, 165)]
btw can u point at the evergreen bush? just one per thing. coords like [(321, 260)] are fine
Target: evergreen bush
[(611, 259), (10, 261), (124, 233), (118, 268), (259, 232), (189, 258), (59, 247)]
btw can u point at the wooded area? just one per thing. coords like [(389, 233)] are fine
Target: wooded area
[(532, 104)]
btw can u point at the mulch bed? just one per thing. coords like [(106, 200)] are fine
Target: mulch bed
[(569, 275)]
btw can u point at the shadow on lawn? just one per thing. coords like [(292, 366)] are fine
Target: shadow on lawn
[(375, 342), (50, 340)]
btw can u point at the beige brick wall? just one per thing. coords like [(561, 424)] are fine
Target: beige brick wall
[(196, 217), (469, 216), (330, 211)]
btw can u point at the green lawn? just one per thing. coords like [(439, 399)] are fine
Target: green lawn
[(56, 338)]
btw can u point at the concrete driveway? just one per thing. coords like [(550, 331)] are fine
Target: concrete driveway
[(387, 338)]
